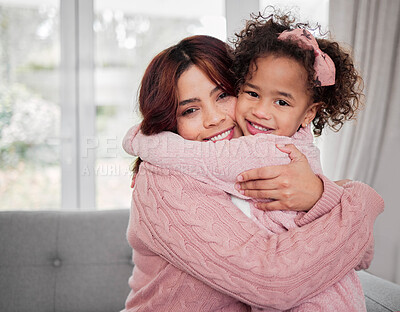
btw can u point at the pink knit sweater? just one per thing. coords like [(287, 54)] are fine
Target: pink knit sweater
[(219, 163), (201, 253)]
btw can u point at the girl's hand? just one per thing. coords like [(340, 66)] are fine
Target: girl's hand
[(292, 187), (342, 182)]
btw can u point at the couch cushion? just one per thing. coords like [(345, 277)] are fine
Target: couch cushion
[(64, 261), (380, 295)]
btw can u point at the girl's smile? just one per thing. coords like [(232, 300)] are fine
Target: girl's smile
[(255, 128), (275, 98)]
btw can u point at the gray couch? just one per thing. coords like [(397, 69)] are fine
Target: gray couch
[(81, 262)]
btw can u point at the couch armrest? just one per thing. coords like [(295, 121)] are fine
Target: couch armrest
[(380, 294)]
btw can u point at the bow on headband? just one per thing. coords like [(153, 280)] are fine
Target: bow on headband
[(323, 65)]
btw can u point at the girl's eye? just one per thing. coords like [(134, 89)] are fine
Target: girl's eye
[(252, 94), (188, 111), (282, 103)]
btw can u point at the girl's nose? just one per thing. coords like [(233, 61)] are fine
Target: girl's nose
[(261, 111)]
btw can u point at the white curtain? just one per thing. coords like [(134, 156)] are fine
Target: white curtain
[(368, 150)]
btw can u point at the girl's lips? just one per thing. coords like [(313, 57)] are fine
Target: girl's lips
[(254, 128), (224, 135)]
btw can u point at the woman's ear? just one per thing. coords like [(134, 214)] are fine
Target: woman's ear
[(310, 114)]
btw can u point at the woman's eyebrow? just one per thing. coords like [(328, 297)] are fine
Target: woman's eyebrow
[(196, 99), (214, 90), (188, 101)]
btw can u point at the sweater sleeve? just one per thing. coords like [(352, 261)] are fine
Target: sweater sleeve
[(219, 163), (329, 199), (209, 238)]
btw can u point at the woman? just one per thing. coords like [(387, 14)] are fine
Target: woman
[(194, 250)]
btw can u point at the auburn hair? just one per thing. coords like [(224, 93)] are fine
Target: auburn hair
[(158, 93)]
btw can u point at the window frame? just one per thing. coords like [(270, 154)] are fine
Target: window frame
[(78, 111), (77, 100)]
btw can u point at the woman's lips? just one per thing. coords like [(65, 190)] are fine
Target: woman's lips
[(225, 135), (254, 128)]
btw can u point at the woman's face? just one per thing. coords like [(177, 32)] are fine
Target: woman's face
[(205, 112)]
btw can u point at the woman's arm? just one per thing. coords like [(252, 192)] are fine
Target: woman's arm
[(219, 163), (209, 238)]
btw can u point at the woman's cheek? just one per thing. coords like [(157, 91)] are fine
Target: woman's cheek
[(232, 108), (238, 110), (189, 127)]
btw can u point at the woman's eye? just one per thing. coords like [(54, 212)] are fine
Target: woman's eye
[(188, 111), (252, 94), (223, 95), (282, 103)]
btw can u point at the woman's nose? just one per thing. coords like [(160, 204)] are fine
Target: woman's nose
[(213, 117)]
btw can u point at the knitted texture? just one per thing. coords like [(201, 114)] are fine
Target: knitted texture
[(227, 266), (347, 294), (219, 163), (222, 257)]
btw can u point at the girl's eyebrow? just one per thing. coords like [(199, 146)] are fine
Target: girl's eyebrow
[(252, 86), (196, 99), (281, 93), (285, 94)]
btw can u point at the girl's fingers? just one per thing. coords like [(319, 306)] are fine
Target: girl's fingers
[(261, 194), (342, 182), (272, 205), (256, 185), (259, 174), (294, 153), (271, 172)]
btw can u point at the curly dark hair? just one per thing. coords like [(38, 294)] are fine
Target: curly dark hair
[(339, 102)]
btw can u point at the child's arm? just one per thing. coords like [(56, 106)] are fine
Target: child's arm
[(219, 163), (218, 245), (293, 187)]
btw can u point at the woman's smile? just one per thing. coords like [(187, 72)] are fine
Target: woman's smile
[(224, 135), (205, 111)]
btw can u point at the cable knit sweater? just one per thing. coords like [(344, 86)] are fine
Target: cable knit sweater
[(203, 254), (219, 163)]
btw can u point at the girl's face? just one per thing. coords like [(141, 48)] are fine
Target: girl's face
[(205, 112), (275, 100)]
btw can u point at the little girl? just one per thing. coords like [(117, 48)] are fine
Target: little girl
[(288, 79)]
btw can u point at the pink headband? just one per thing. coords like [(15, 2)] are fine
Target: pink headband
[(323, 65)]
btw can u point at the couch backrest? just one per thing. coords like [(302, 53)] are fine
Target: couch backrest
[(64, 261)]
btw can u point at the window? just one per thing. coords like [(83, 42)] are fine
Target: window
[(127, 36), (69, 76), (30, 173)]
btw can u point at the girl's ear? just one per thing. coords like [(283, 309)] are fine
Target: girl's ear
[(310, 114)]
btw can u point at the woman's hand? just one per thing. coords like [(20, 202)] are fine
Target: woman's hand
[(291, 187)]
